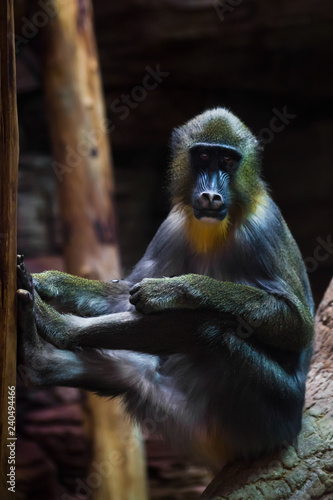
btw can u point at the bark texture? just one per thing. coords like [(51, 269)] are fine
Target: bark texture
[(8, 196), (304, 472)]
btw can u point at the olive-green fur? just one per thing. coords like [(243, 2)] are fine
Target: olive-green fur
[(219, 336), (221, 127), (61, 289)]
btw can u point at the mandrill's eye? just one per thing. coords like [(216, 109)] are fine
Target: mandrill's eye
[(227, 159), (204, 156)]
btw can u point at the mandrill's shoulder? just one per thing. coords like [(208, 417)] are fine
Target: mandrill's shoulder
[(264, 246), (170, 236), (165, 253), (265, 228)]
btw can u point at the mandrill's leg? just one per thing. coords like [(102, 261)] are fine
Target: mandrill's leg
[(149, 395), (40, 362), (106, 372)]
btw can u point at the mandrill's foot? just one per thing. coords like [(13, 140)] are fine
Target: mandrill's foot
[(30, 344), (40, 363), (33, 352), (24, 278), (36, 317), (25, 299)]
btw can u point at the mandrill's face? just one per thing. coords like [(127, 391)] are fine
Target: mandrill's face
[(213, 168)]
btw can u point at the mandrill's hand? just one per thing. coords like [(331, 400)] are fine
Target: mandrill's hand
[(158, 294)]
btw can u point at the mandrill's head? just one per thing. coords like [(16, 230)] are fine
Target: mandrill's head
[(215, 176)]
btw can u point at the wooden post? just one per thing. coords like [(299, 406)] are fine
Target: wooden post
[(8, 195), (83, 168)]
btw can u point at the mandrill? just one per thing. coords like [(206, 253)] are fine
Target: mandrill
[(211, 334)]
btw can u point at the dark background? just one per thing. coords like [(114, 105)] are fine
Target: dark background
[(254, 57)]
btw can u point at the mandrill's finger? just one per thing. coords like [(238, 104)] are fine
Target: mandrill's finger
[(134, 299), (25, 298), (24, 278), (134, 289), (140, 306), (20, 278), (19, 259), (20, 273)]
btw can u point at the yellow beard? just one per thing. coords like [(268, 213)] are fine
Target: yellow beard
[(206, 237)]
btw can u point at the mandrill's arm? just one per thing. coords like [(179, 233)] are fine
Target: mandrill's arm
[(204, 310), (282, 321), (72, 294)]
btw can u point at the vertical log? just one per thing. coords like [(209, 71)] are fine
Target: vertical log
[(8, 195), (80, 143), (84, 171)]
